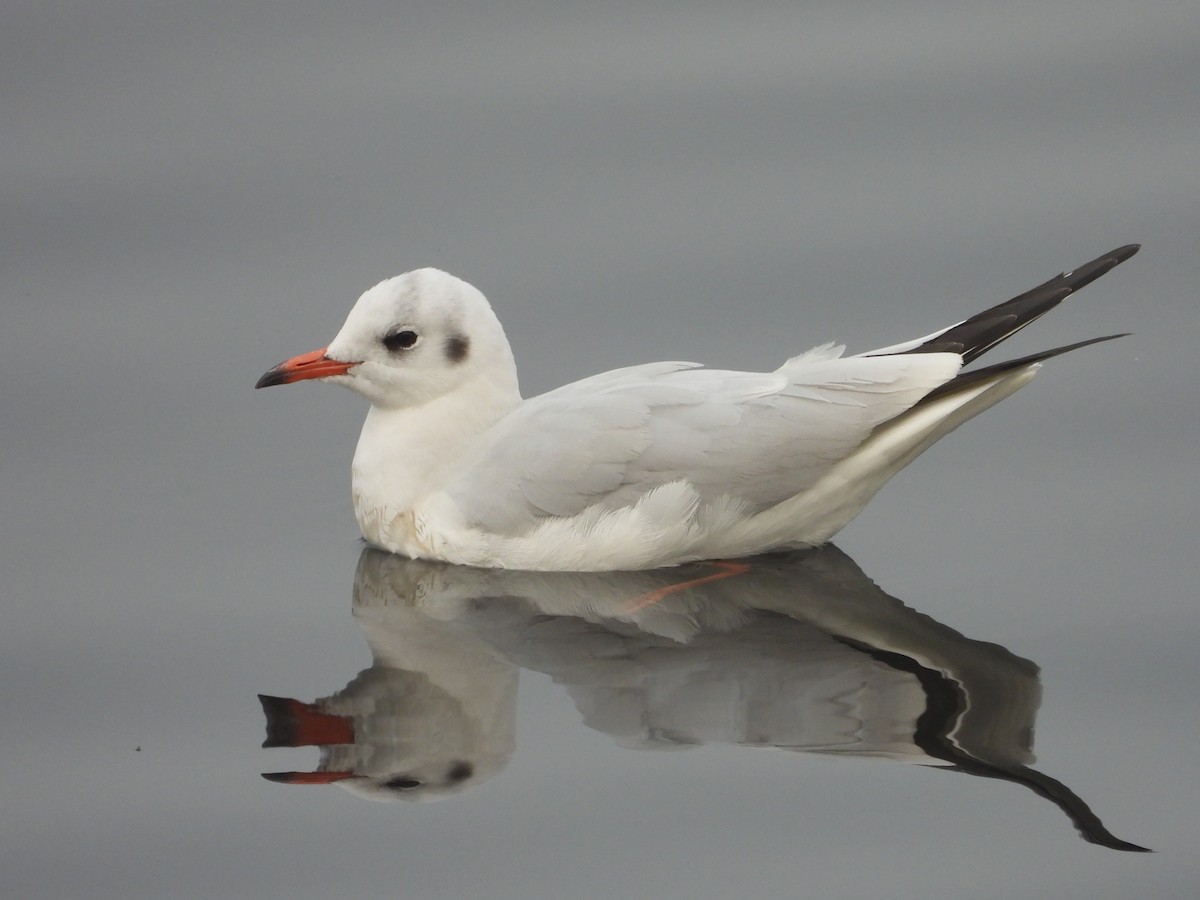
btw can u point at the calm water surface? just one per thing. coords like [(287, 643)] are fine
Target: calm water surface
[(799, 652), (194, 192)]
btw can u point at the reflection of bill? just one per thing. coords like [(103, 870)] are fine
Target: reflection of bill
[(801, 651)]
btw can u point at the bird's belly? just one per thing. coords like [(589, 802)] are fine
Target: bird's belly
[(400, 531)]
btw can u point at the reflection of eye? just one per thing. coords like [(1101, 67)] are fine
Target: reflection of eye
[(405, 339), (402, 783)]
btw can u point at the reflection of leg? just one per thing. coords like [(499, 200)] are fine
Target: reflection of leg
[(726, 569)]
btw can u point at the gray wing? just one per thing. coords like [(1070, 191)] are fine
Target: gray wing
[(756, 437)]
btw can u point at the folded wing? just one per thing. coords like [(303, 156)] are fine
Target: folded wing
[(758, 438)]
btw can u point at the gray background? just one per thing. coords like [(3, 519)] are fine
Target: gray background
[(194, 191)]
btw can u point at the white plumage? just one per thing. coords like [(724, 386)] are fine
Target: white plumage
[(640, 467)]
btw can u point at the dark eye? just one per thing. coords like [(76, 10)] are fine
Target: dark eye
[(404, 339), (402, 783)]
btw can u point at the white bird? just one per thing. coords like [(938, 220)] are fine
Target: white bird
[(646, 466)]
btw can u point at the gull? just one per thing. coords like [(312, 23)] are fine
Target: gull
[(647, 466)]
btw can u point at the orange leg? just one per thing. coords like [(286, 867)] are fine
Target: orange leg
[(727, 569)]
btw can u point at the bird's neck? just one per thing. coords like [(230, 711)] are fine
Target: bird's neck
[(406, 454)]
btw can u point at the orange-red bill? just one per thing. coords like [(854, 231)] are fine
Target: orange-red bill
[(314, 364), (307, 777), (291, 723)]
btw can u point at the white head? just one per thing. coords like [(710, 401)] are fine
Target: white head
[(408, 341)]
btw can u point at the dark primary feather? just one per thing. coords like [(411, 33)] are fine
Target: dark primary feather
[(968, 379), (981, 332)]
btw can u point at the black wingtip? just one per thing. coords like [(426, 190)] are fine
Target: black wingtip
[(1058, 351), (1090, 271), (978, 334), (977, 376)]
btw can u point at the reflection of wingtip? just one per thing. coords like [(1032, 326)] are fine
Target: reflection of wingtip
[(1090, 828), (946, 700), (1107, 839), (1118, 844)]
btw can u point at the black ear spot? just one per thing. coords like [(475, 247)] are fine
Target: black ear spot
[(460, 771), (457, 348)]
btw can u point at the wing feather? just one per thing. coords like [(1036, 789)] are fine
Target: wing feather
[(758, 438)]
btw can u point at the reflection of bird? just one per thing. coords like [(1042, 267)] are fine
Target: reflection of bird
[(801, 651), (640, 467), (434, 714)]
